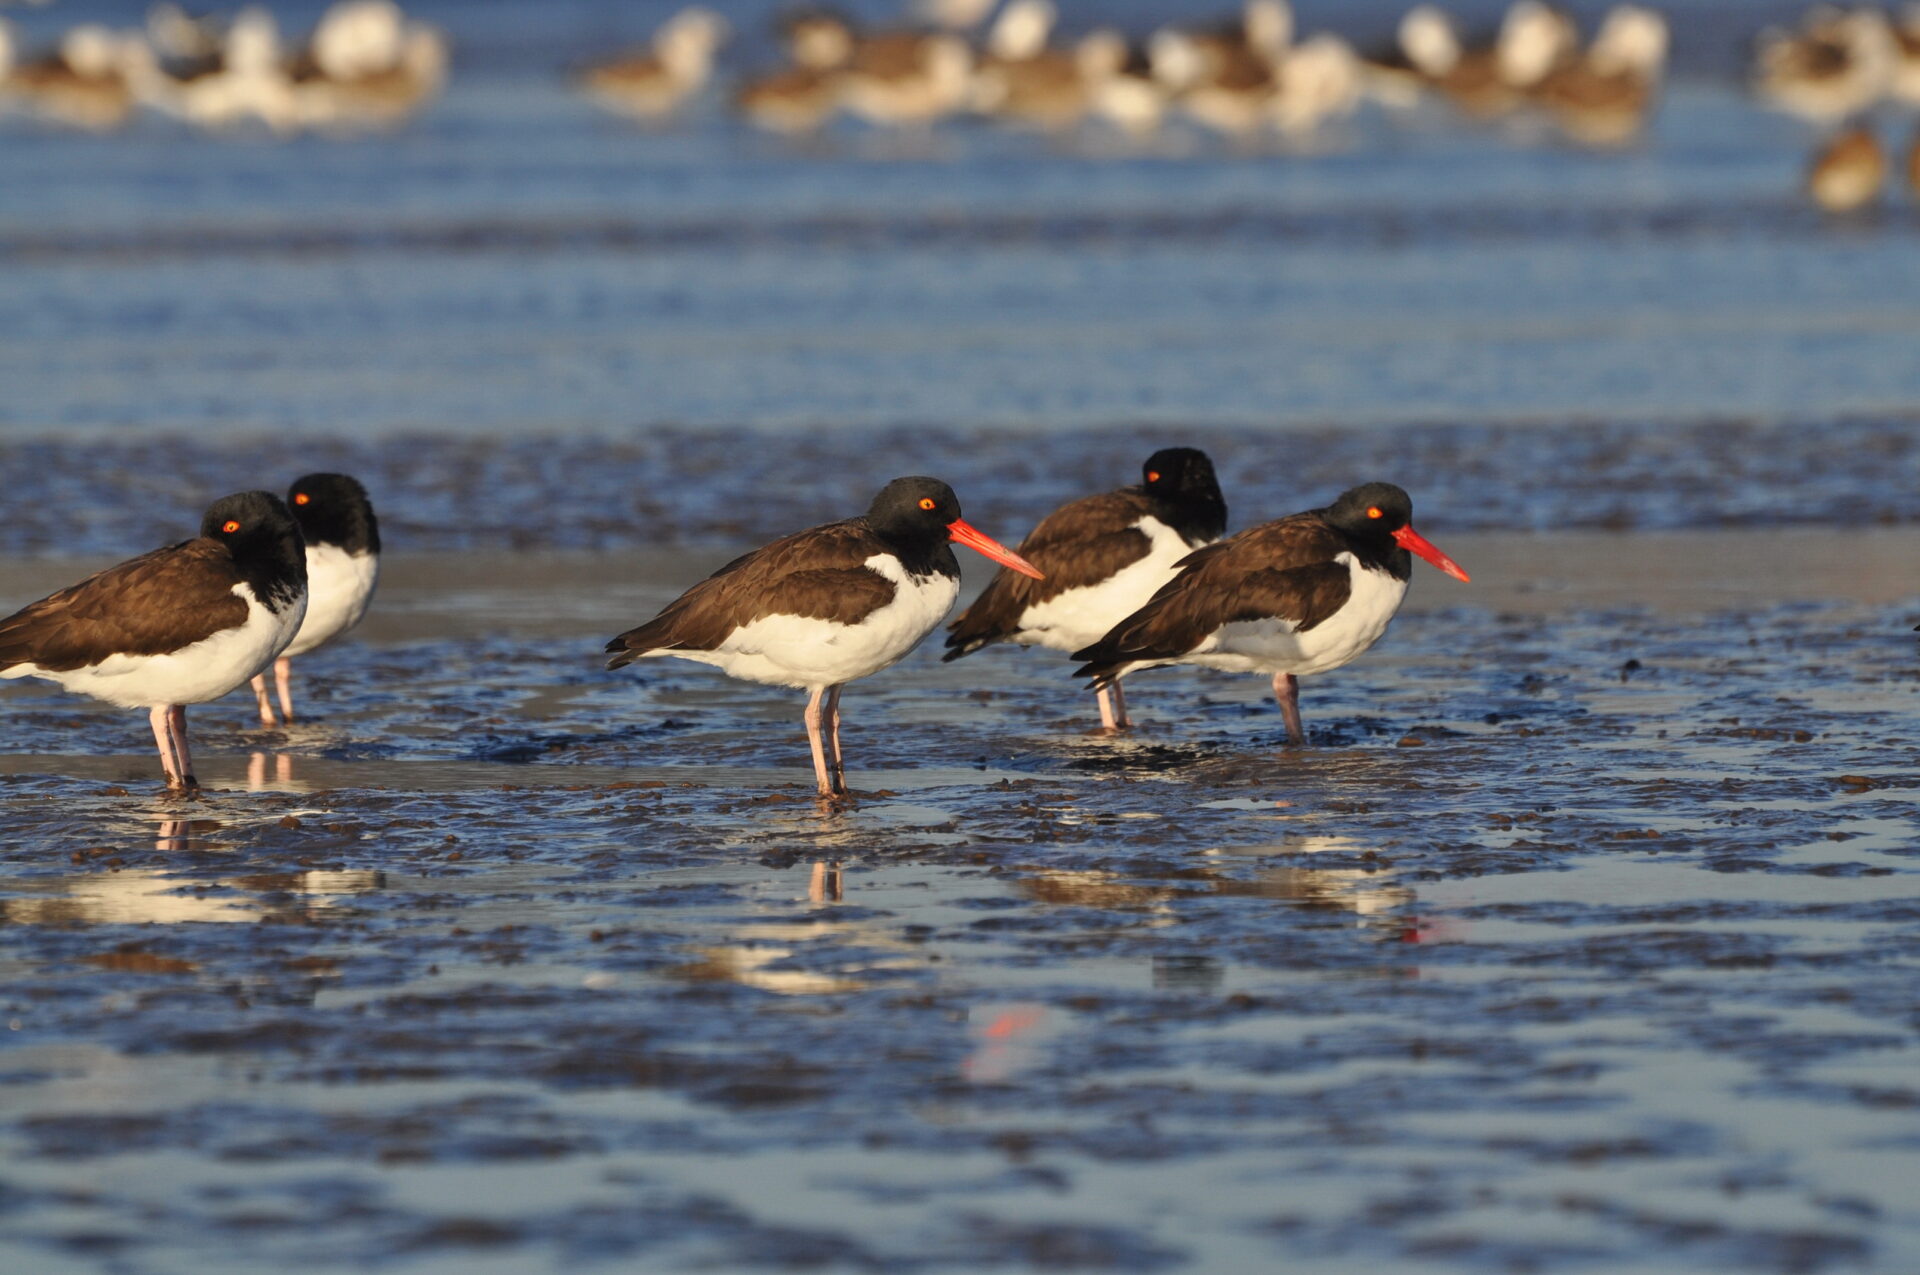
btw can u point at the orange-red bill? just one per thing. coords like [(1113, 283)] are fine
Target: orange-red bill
[(981, 543), (1414, 542)]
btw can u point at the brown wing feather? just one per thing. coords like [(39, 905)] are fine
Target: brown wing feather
[(817, 574), (158, 602), (1079, 544), (1281, 569)]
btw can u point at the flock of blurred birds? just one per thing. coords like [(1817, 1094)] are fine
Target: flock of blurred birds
[(367, 65), (1245, 76)]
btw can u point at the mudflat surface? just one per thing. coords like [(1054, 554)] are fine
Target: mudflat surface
[(1582, 938)]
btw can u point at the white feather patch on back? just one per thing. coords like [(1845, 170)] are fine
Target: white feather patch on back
[(1080, 617)]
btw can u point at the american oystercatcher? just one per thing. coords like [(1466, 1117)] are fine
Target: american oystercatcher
[(819, 608), (1104, 557), (343, 565), (181, 625), (1304, 594)]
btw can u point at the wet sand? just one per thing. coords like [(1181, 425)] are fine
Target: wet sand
[(1583, 938), (576, 594)]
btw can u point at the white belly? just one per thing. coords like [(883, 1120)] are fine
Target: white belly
[(339, 586), (787, 650), (1274, 646), (193, 674), (1081, 617)]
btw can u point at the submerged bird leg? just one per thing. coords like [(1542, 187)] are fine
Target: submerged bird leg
[(1105, 695), (815, 717), (183, 756), (266, 703), (163, 739), (283, 678), (1286, 689), (1120, 707), (833, 717)]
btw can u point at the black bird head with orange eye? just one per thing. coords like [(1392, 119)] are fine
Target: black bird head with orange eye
[(1182, 479), (1382, 513), (263, 539), (333, 509), (917, 511)]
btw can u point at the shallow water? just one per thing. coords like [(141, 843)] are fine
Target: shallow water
[(1583, 938), (515, 262)]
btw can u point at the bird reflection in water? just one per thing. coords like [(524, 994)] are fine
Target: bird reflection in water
[(257, 766), (274, 772), (183, 835), (762, 955), (1371, 895), (825, 885), (143, 896), (1178, 973), (1008, 1039)]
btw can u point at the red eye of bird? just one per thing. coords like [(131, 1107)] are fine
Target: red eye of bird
[(1373, 511), (927, 502), (230, 526), (301, 498), (1153, 475)]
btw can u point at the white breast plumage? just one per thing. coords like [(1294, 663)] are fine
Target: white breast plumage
[(791, 650), (194, 674), (339, 587), (1080, 617), (1273, 645)]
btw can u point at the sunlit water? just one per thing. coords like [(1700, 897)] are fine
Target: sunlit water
[(1583, 939)]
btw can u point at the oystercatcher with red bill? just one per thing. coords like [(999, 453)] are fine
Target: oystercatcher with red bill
[(181, 625), (822, 607), (1104, 557), (343, 566), (1301, 595)]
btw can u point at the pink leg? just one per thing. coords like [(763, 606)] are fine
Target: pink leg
[(815, 719), (1286, 689), (283, 677), (177, 727), (1105, 696), (824, 885), (266, 704), (833, 718), (163, 739), (1120, 706)]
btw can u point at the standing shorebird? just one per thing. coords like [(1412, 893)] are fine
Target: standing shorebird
[(82, 84), (1302, 595), (653, 83), (181, 625), (1604, 96), (367, 66), (343, 565), (825, 606), (1489, 81), (1847, 173), (1104, 557), (1840, 63)]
